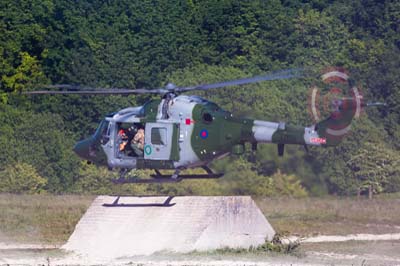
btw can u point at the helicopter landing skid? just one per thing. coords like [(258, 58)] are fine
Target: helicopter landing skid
[(207, 176), (146, 181)]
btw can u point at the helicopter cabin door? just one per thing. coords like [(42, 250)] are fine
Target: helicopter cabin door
[(161, 141)]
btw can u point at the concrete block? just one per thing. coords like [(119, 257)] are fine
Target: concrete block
[(116, 227)]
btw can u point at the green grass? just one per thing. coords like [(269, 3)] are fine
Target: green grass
[(51, 219), (331, 215), (40, 218)]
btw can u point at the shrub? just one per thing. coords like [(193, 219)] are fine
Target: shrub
[(21, 178)]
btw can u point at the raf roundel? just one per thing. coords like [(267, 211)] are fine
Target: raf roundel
[(204, 134)]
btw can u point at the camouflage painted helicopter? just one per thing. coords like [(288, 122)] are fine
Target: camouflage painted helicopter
[(182, 131)]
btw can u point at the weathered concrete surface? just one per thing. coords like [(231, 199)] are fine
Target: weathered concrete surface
[(145, 225)]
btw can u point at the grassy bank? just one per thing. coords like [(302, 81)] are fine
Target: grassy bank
[(330, 215), (51, 219), (40, 218)]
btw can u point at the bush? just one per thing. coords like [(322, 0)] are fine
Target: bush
[(21, 178), (241, 179)]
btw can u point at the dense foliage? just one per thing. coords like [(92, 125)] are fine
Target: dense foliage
[(139, 44)]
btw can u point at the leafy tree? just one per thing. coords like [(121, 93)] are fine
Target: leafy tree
[(241, 179), (39, 140), (383, 82), (21, 178), (334, 162), (22, 33), (28, 74), (321, 39), (376, 165), (144, 44), (287, 185), (97, 180)]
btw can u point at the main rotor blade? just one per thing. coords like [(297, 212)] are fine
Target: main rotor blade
[(71, 89), (282, 74)]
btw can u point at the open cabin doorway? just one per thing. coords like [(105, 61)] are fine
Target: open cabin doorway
[(130, 140)]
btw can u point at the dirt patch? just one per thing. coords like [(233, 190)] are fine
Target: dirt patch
[(355, 237), (344, 253), (356, 252)]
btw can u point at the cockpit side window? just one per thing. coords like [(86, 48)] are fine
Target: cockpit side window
[(207, 117), (105, 132)]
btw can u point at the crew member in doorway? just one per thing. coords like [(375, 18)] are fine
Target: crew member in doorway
[(137, 143), (124, 139)]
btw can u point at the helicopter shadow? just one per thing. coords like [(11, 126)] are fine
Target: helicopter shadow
[(116, 203)]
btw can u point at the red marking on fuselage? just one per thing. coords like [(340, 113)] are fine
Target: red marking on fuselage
[(318, 140), (188, 121)]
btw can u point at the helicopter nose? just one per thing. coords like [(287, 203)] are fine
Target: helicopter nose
[(82, 148)]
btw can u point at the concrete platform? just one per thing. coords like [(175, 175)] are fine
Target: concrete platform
[(116, 227)]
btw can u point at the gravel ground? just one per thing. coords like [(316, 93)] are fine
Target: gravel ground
[(323, 253)]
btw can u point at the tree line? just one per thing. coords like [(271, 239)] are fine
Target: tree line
[(145, 44)]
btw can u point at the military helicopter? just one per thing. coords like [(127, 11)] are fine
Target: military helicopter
[(182, 131)]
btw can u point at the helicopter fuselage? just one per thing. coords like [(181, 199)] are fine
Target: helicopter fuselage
[(184, 132), (179, 132)]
